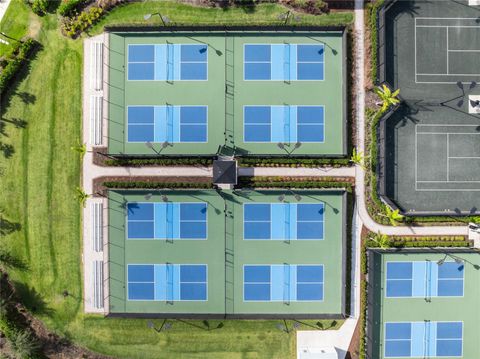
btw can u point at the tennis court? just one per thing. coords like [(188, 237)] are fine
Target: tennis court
[(170, 62), (423, 339), (167, 282), (171, 124), (284, 62), (200, 252), (283, 221), (286, 283), (429, 147), (447, 50), (198, 92), (285, 124), (422, 303), (424, 279), (167, 221)]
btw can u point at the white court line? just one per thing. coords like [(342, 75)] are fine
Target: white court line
[(415, 39), (452, 26), (449, 182), (416, 155), (463, 50), (465, 157), (448, 65), (448, 157)]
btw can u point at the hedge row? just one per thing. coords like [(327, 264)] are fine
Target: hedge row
[(372, 15), (292, 162), (20, 57), (153, 185), (311, 184), (139, 162)]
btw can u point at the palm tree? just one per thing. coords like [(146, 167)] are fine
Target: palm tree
[(388, 97), (24, 344), (357, 158), (381, 239), (81, 196), (393, 216), (81, 148)]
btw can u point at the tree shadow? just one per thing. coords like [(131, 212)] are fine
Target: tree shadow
[(8, 260), (7, 149), (31, 299), (27, 97), (6, 96), (7, 227), (17, 122)]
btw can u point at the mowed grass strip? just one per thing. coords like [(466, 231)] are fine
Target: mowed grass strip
[(40, 177), (14, 24), (41, 121), (182, 14)]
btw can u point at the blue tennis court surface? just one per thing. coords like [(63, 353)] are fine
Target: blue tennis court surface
[(424, 279), (167, 220), (284, 62), (172, 124), (283, 221), (285, 124), (167, 282), (169, 62), (423, 339), (283, 282)]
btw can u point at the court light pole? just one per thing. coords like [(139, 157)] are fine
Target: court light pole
[(282, 146), (164, 18)]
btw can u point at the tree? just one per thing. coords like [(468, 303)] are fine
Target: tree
[(393, 216), (357, 158), (388, 97), (81, 196), (381, 239)]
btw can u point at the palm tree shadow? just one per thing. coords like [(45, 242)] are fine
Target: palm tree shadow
[(32, 299)]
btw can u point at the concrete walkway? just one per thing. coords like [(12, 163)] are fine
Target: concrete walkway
[(3, 8)]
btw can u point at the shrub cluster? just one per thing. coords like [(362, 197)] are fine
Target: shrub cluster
[(13, 64), (139, 162), (314, 7), (39, 7), (69, 7), (74, 26), (152, 185), (292, 162)]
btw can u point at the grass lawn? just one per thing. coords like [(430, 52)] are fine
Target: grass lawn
[(264, 14), (14, 23), (41, 121)]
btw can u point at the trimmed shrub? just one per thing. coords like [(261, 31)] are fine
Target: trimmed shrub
[(72, 27), (69, 7), (315, 7), (372, 14), (139, 162), (18, 58), (292, 162), (154, 185), (39, 7)]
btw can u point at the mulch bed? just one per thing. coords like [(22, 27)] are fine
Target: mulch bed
[(52, 345)]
